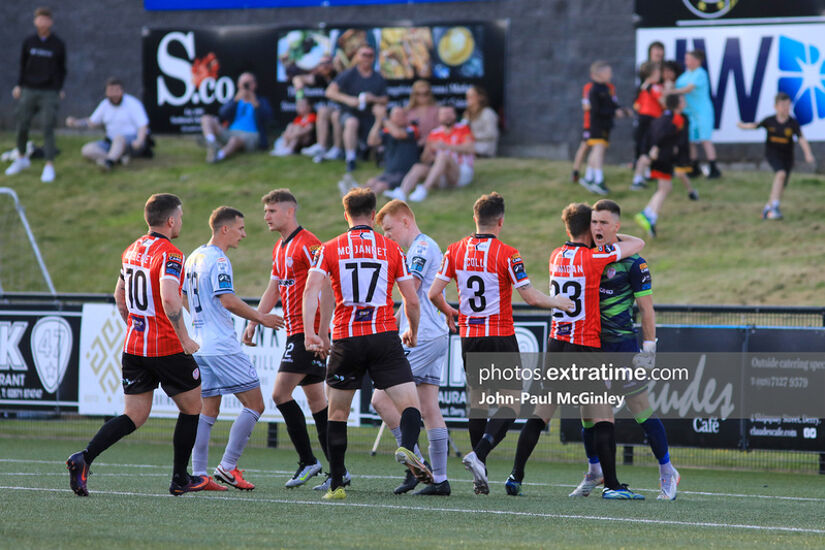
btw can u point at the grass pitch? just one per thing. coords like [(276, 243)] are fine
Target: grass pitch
[(130, 507), (715, 251)]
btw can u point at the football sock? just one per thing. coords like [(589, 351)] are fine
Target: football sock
[(410, 427), (220, 155), (588, 438), (638, 178), (588, 174), (439, 441), (527, 440), (496, 431), (774, 204), (598, 176), (108, 434), (186, 430), (605, 439), (650, 214), (657, 438), (476, 426), (296, 427), (238, 437), (337, 446), (210, 138), (350, 155), (321, 427), (200, 452), (396, 432)]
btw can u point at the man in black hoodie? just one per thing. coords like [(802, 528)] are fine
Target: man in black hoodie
[(39, 88)]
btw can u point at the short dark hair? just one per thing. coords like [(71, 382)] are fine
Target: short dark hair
[(159, 208), (44, 11), (672, 101), (609, 205), (488, 209), (279, 195), (781, 96), (114, 81), (674, 66), (647, 69), (698, 54), (223, 215), (576, 218), (359, 202)]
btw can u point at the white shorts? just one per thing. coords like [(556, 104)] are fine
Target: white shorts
[(226, 374), (427, 360)]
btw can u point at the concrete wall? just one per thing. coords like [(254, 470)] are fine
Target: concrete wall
[(551, 45)]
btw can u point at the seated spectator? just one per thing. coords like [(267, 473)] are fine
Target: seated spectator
[(447, 160), (483, 121), (400, 140), (299, 133), (328, 112), (357, 89), (246, 117), (423, 109), (126, 125)]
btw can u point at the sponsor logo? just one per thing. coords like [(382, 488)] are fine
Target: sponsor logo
[(709, 9), (173, 268), (103, 356), (475, 320), (51, 345), (199, 77), (10, 335), (563, 329), (802, 79), (706, 425), (224, 280), (286, 282), (138, 323), (518, 270), (417, 264), (363, 315)]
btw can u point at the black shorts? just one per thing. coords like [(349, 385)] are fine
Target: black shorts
[(641, 137), (779, 161), (176, 373), (561, 346), (489, 344), (298, 360), (391, 179), (598, 136), (381, 355)]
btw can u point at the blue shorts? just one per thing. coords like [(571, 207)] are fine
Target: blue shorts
[(106, 144), (226, 374), (701, 126)]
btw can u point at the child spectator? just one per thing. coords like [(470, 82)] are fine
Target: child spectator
[(423, 109), (601, 107), (483, 121), (669, 147), (299, 133), (694, 84), (781, 128), (648, 106)]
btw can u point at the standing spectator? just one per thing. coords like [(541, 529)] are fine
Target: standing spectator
[(694, 84), (781, 128), (328, 112), (648, 107), (247, 116), (400, 141), (656, 52), (127, 127), (298, 133), (357, 89), (423, 109), (447, 160), (39, 88), (483, 121)]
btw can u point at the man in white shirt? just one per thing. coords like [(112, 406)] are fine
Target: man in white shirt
[(127, 127)]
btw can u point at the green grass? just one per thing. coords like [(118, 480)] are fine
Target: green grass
[(130, 507), (715, 251)]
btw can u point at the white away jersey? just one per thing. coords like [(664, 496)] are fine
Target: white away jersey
[(423, 262), (208, 275)]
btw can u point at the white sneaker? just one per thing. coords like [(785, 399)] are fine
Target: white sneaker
[(667, 484), (313, 150), (346, 183), (18, 166), (334, 153), (590, 482), (396, 193), (48, 174), (418, 194), (476, 467)]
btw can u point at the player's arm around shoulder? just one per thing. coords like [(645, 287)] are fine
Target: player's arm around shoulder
[(534, 297), (629, 245)]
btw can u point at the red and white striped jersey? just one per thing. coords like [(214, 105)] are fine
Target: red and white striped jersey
[(485, 270), (291, 260), (145, 263), (576, 272), (362, 266)]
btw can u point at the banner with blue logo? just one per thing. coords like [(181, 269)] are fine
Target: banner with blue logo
[(177, 5), (747, 66)]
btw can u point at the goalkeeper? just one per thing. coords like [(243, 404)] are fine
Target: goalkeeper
[(622, 283)]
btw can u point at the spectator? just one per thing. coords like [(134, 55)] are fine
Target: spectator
[(126, 125), (483, 121), (299, 133), (39, 89), (447, 160), (648, 107), (247, 116), (400, 140), (694, 84), (423, 109), (357, 89), (328, 112), (656, 52)]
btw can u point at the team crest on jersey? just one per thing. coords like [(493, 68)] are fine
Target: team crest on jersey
[(196, 374), (606, 248), (611, 272), (289, 261)]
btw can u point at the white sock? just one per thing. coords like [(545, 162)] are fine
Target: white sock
[(598, 176), (775, 204), (221, 155), (650, 214), (638, 178), (666, 468), (210, 138), (238, 437), (595, 469), (200, 452), (588, 174), (350, 155), (439, 450)]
